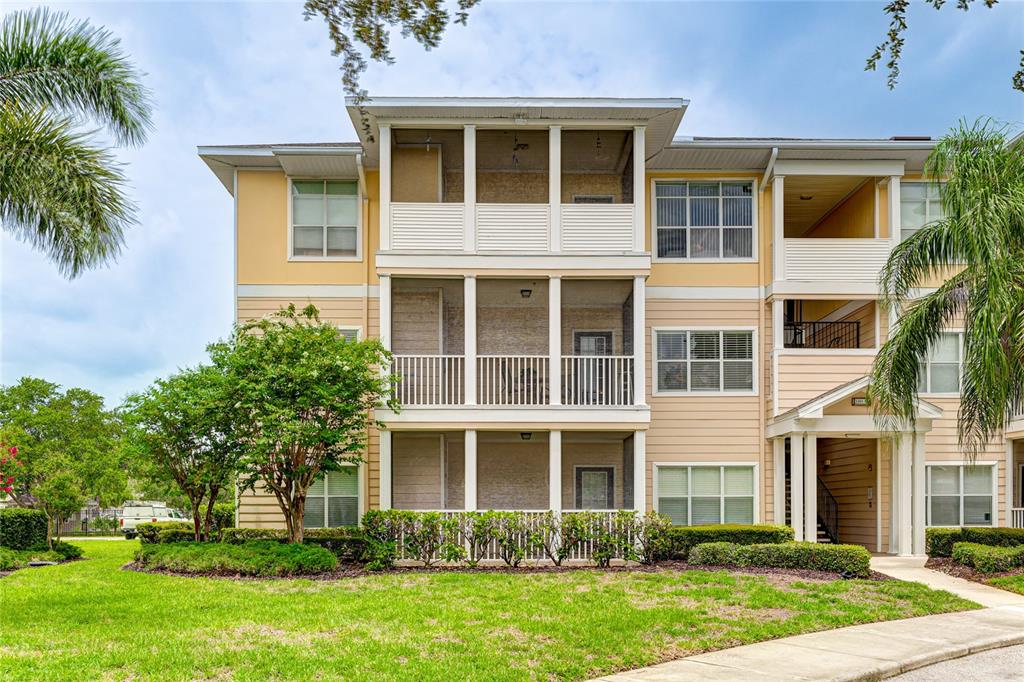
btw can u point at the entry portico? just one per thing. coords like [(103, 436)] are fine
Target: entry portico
[(837, 428)]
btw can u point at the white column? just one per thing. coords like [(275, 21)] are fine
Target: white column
[(385, 470), (902, 504), (384, 147), (1008, 492), (555, 471), (555, 341), (385, 311), (917, 495), (796, 484), (811, 488), (639, 188), (469, 187), (894, 209), (779, 480), (778, 343), (778, 247), (469, 469), (640, 471), (469, 344), (639, 340), (555, 186)]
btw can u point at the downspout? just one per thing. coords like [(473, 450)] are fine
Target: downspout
[(763, 365)]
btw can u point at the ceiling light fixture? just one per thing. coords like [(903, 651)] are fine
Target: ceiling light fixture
[(526, 293), (526, 435)]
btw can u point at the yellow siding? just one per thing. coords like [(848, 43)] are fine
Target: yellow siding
[(802, 377), (854, 217)]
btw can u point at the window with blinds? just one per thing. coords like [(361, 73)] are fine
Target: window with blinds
[(940, 372), (919, 205), (960, 495), (702, 495), (704, 220), (333, 500), (691, 361), (349, 333), (325, 219)]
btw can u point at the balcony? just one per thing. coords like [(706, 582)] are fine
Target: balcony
[(857, 260), (525, 192), (513, 364)]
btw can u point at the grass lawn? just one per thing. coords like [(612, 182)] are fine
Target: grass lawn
[(1013, 583), (91, 620)]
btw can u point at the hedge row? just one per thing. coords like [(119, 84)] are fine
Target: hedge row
[(22, 528), (681, 539), (847, 560), (939, 541), (11, 559), (154, 533), (988, 559), (347, 544), (254, 558)]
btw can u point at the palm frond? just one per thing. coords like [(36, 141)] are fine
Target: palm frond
[(59, 193), (48, 60)]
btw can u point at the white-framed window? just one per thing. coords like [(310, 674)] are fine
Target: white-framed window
[(698, 495), (324, 219), (333, 499), (704, 220), (703, 361), (940, 372), (919, 205), (350, 333), (960, 494)]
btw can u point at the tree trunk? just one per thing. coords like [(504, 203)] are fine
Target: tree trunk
[(207, 522), (49, 530), (196, 505), (298, 506)]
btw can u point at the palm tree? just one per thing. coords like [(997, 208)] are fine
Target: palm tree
[(60, 190), (981, 239)]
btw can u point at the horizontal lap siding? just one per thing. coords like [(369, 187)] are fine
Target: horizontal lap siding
[(259, 509), (850, 474), (803, 377), (707, 427)]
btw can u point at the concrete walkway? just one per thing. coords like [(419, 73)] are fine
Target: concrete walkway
[(912, 568), (862, 652)]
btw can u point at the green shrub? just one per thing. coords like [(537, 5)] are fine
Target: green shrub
[(223, 517), (22, 528), (12, 559), (939, 541), (681, 539), (988, 558), (167, 535), (844, 559), (66, 551), (347, 544), (252, 558), (149, 533)]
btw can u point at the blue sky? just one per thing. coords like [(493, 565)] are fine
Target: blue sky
[(225, 73)]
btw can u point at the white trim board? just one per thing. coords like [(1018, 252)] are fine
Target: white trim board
[(308, 290)]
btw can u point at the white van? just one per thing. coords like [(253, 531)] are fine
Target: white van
[(147, 512)]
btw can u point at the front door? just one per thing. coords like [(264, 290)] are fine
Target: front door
[(595, 488)]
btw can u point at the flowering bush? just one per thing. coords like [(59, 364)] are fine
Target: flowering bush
[(12, 469)]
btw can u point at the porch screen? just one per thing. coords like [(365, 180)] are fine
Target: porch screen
[(959, 495), (333, 500), (702, 495)]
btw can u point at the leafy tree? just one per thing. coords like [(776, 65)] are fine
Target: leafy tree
[(894, 40), (304, 396), (59, 191), (67, 445), (351, 23), (184, 427), (981, 238)]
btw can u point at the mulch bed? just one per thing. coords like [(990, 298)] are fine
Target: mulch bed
[(950, 567), (347, 571)]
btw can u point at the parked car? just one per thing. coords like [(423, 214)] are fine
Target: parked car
[(135, 514)]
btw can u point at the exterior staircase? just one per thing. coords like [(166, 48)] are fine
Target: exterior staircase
[(828, 512)]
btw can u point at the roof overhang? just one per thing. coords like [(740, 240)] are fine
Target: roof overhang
[(660, 116), (755, 155), (316, 161)]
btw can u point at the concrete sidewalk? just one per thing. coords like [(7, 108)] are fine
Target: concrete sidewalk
[(862, 652), (912, 568)]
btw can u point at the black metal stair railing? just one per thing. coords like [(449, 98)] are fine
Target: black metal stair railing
[(821, 334), (828, 511)]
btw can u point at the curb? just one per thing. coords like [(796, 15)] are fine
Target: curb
[(948, 654)]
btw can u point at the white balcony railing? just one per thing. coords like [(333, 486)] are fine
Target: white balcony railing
[(513, 227), (426, 380), (512, 380), (1017, 517), (428, 227), (597, 227), (835, 260), (598, 381)]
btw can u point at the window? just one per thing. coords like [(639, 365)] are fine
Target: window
[(919, 205), (702, 495), (349, 333), (702, 220), (940, 372), (960, 495), (324, 219), (704, 361), (333, 500), (595, 487)]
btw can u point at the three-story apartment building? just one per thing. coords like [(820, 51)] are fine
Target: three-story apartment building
[(587, 312)]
